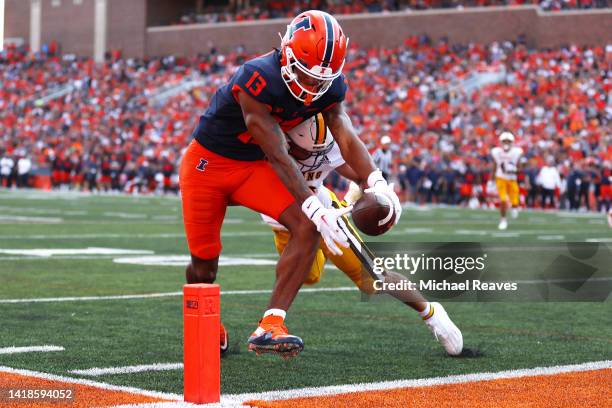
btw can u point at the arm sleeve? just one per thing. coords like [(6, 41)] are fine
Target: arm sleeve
[(335, 157)]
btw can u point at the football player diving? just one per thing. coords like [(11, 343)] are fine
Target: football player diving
[(317, 155), (240, 156)]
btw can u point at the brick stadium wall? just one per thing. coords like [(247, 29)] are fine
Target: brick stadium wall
[(127, 22), (479, 25), (72, 26), (69, 24), (163, 12), (560, 28), (17, 19)]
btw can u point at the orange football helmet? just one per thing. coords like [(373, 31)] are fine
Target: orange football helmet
[(313, 51)]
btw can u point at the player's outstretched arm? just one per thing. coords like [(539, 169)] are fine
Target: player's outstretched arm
[(353, 150), (268, 134), (357, 156)]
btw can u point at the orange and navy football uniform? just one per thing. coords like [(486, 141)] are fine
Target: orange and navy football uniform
[(223, 165)]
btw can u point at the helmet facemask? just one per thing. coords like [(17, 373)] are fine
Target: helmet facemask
[(322, 78), (310, 142), (308, 160)]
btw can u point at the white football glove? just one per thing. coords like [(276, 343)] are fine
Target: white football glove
[(378, 185), (353, 194), (326, 220)]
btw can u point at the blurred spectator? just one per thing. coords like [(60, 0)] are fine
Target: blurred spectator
[(7, 165), (383, 158), (266, 9), (113, 130), (549, 180), (24, 166)]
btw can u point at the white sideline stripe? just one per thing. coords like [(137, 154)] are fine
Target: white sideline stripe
[(174, 405), (35, 220), (166, 294), (95, 372), (105, 386), (181, 260), (45, 252), (551, 237), (111, 235), (30, 349), (424, 382)]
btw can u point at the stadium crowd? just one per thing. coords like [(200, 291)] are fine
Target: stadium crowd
[(114, 127), (266, 9)]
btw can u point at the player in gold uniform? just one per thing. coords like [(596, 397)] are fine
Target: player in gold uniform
[(507, 158), (313, 147)]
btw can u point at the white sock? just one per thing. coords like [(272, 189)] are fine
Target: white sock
[(425, 312), (275, 312)]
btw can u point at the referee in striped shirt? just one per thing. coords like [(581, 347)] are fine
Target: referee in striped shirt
[(382, 157)]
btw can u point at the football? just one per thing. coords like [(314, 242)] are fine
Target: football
[(371, 214)]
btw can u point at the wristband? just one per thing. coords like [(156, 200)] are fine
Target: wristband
[(311, 205)]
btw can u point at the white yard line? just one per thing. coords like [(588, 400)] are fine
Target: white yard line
[(30, 349), (110, 387), (236, 400), (46, 252), (111, 235), (87, 298), (165, 294), (177, 404), (182, 260), (96, 371), (9, 219), (386, 385), (551, 237), (92, 236)]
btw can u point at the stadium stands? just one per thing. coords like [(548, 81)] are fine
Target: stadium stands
[(262, 10), (122, 125)]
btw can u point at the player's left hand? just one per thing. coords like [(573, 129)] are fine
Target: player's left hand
[(326, 221), (353, 194), (378, 185)]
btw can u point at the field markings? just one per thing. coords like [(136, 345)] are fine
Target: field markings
[(235, 400), (125, 215), (551, 237), (92, 236), (166, 294), (417, 230), (471, 232), (34, 220), (123, 235), (44, 252), (599, 240), (96, 371), (91, 383), (182, 260), (30, 349), (388, 385), (178, 404)]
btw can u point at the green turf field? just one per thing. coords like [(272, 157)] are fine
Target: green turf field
[(347, 340)]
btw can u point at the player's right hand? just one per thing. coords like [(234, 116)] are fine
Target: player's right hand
[(326, 220), (378, 185)]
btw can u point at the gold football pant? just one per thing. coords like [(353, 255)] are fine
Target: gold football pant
[(348, 262), (508, 189)]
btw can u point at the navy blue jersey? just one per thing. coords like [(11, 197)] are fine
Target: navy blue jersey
[(222, 129)]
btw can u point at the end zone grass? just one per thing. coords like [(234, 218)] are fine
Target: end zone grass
[(347, 340)]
